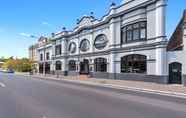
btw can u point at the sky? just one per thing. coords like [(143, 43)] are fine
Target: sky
[(21, 18)]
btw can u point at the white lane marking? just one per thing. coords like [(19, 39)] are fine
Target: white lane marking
[(44, 117), (2, 85)]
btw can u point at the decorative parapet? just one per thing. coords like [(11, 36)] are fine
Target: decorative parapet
[(87, 22)]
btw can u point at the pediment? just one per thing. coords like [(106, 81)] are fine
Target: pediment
[(86, 21)]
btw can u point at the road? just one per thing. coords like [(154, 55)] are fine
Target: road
[(26, 97)]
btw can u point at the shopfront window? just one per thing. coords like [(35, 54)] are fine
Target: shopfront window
[(72, 65), (133, 64), (100, 65)]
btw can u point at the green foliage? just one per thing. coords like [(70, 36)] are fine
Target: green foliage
[(19, 65)]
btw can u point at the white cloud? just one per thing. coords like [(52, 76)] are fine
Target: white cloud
[(45, 23), (24, 34)]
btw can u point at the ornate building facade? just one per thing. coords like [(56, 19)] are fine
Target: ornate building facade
[(127, 43)]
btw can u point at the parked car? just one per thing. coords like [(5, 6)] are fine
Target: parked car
[(10, 71)]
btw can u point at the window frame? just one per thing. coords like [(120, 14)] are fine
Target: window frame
[(47, 56), (100, 65), (41, 57), (125, 32), (72, 65), (99, 37), (58, 65), (81, 45), (130, 65), (58, 49)]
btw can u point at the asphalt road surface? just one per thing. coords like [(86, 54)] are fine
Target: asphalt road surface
[(26, 97)]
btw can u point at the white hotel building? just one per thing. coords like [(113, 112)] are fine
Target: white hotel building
[(127, 43)]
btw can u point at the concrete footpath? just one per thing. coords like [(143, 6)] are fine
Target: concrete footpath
[(148, 87)]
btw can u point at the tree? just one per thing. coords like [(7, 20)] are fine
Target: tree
[(19, 65)]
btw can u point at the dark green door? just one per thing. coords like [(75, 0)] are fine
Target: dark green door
[(175, 73)]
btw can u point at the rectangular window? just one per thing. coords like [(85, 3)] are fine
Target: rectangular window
[(134, 32), (72, 65), (58, 50), (143, 30), (48, 56), (143, 33), (129, 33), (41, 57)]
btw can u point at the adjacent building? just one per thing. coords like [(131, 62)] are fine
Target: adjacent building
[(129, 42), (177, 53), (33, 52), (44, 55)]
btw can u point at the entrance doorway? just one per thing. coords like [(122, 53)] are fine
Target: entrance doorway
[(175, 73), (84, 67)]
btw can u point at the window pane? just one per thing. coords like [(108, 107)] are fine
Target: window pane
[(41, 57), (143, 33), (136, 35), (58, 50), (72, 65), (133, 64), (100, 65), (129, 35)]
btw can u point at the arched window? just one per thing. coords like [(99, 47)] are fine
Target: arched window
[(134, 64), (100, 42), (58, 65), (72, 47), (72, 65), (100, 65), (84, 45)]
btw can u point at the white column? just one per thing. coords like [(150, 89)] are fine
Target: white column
[(52, 65), (161, 53), (64, 53), (115, 36), (112, 43), (161, 61), (160, 19)]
